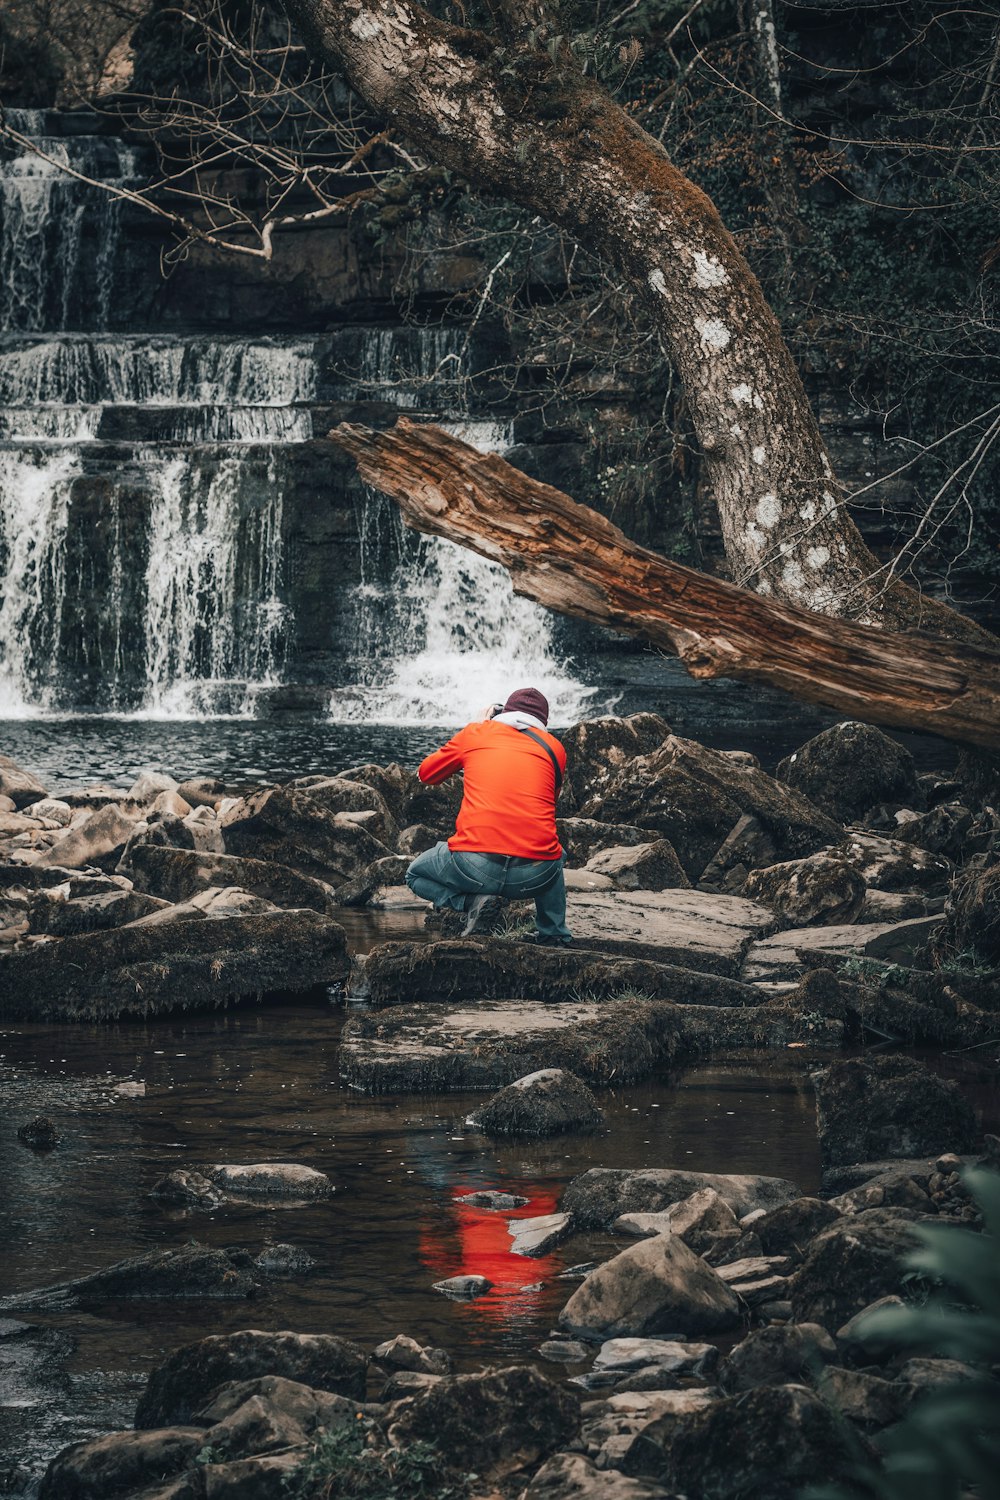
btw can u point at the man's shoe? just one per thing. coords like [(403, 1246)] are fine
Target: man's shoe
[(542, 940), (480, 914)]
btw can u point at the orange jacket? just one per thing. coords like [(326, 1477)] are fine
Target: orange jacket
[(509, 802)]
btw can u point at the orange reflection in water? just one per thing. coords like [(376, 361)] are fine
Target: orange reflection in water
[(476, 1242)]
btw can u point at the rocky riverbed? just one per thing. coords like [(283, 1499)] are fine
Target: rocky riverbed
[(839, 920)]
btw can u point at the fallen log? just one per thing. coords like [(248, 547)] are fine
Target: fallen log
[(569, 558)]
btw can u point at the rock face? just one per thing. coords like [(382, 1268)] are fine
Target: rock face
[(850, 768), (854, 1262), (597, 1197), (870, 1108), (657, 1286), (431, 1049), (542, 1103), (486, 1417), (769, 1442), (822, 888), (693, 797), (143, 970), (182, 1385), (179, 874)]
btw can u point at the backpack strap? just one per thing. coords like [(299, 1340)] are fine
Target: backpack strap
[(550, 753)]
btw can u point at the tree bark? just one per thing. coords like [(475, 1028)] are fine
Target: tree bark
[(518, 123), (571, 559)]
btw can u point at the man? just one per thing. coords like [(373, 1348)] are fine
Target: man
[(505, 843)]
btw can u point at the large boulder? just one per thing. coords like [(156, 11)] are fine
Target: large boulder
[(694, 796), (21, 787), (93, 842), (146, 970), (54, 912), (804, 892), (891, 864), (543, 1103), (342, 794), (776, 1355), (854, 1262), (192, 1374), (850, 768), (791, 1227), (482, 1419), (599, 1196), (657, 1286), (870, 1108), (582, 838), (179, 874), (597, 750), (121, 1464), (288, 825), (767, 1443)]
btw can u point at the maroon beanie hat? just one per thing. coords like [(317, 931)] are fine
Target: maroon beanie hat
[(528, 701)]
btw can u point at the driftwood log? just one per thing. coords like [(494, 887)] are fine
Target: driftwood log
[(573, 560)]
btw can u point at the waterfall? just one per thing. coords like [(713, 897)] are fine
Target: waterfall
[(34, 514), (446, 635)]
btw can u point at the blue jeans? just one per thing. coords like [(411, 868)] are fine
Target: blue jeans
[(455, 879)]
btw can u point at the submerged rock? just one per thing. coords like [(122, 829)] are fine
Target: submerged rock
[(284, 1260), (492, 1198), (873, 1107), (657, 1286), (192, 1374), (273, 1179), (39, 1133), (186, 1190), (463, 1288), (543, 1103), (191, 1272), (146, 970)]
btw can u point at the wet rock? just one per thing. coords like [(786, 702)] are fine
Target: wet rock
[(495, 969), (854, 1262), (120, 1463), (902, 1189), (597, 1197), (99, 840), (539, 1235), (693, 796), (481, 1419), (491, 1198), (656, 1286), (185, 1189), (403, 1353), (767, 1442), (789, 1228), (194, 1373), (643, 867), (432, 1049), (268, 1412), (39, 1133), (144, 970), (804, 892), (582, 838), (463, 1288), (864, 1398), (272, 1179), (178, 874), (289, 826), (778, 1356), (543, 1103), (564, 1351), (21, 787), (285, 1260), (570, 1476), (871, 1107), (52, 912), (190, 1272), (927, 1374), (597, 750), (851, 767), (383, 874), (622, 1358)]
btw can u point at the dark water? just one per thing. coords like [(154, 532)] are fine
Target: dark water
[(134, 1101), (73, 752)]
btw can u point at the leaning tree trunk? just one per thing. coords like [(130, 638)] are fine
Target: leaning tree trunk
[(526, 126), (571, 559)]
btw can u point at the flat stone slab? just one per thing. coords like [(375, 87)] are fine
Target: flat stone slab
[(778, 957), (150, 970), (434, 1048), (697, 929), (538, 1236)]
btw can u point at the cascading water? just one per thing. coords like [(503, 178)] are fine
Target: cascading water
[(446, 634)]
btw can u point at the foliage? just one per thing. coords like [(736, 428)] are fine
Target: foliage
[(951, 1439), (874, 971), (342, 1464)]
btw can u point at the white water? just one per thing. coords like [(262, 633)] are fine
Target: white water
[(34, 514), (446, 635)]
